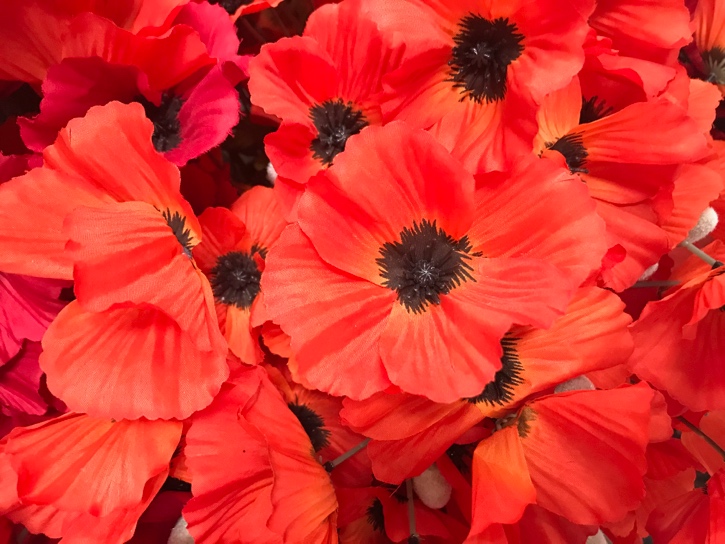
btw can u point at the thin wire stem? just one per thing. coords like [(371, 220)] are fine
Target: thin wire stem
[(695, 429), (663, 283), (692, 248), (413, 538), (345, 456)]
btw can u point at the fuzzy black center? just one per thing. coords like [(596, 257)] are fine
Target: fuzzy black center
[(572, 147), (593, 109), (501, 389), (165, 117), (231, 6), (480, 59), (376, 519), (177, 224), (715, 65), (424, 264), (235, 279), (313, 425), (335, 122)]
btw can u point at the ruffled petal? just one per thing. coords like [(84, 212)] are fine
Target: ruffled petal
[(84, 464), (261, 214), (329, 352), (128, 363), (586, 452), (20, 383), (502, 487)]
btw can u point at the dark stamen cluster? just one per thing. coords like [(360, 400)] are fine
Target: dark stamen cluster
[(500, 390), (480, 59), (572, 147), (335, 122), (593, 109), (165, 117), (462, 456), (715, 65), (313, 425), (424, 264), (177, 224), (235, 279), (231, 6), (375, 516)]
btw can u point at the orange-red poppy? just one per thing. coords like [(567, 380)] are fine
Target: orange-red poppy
[(105, 210), (254, 470), (413, 275), (235, 243)]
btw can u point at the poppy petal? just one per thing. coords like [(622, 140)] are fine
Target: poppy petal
[(84, 464), (142, 364), (328, 350)]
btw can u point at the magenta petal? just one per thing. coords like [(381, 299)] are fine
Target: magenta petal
[(70, 89), (13, 165), (20, 383), (27, 306), (207, 117), (214, 26)]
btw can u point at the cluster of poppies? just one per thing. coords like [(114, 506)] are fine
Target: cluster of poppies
[(374, 271)]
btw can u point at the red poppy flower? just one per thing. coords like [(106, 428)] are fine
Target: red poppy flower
[(396, 240), (480, 69), (206, 182), (622, 179), (696, 516), (120, 230), (677, 338), (232, 256), (20, 383), (410, 432), (193, 106), (580, 455), (255, 475), (27, 306), (320, 417), (75, 475), (325, 86)]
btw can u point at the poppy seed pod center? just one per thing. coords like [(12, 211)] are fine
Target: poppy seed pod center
[(424, 264), (235, 279), (572, 148), (335, 122), (165, 117), (479, 61)]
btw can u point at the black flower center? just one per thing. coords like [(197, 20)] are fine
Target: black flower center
[(593, 109), (715, 65), (376, 519), (572, 147), (335, 122), (501, 389), (313, 425), (235, 279), (480, 59), (424, 264), (177, 224), (165, 117), (231, 6)]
